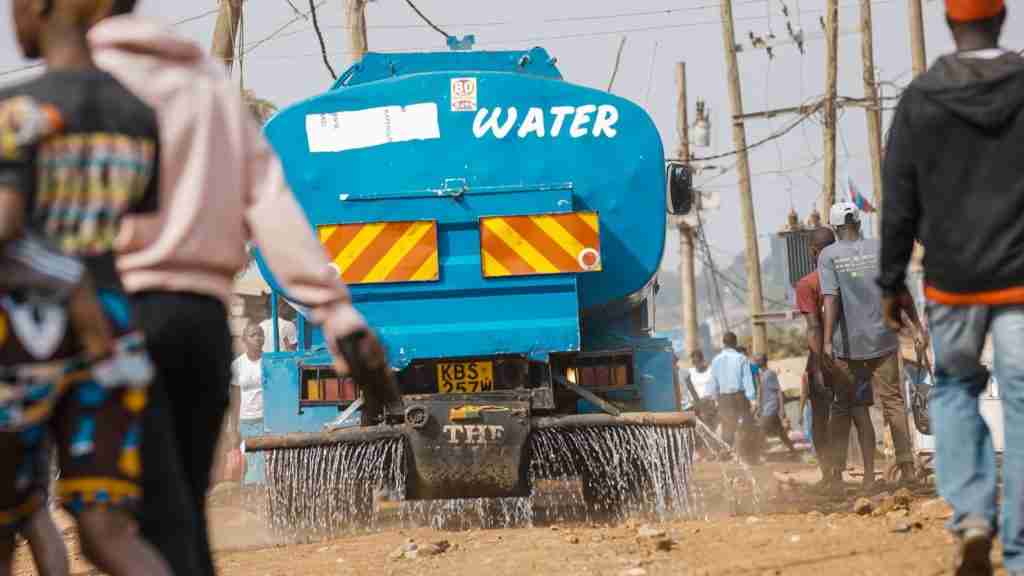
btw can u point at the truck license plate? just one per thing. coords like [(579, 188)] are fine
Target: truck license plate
[(464, 377)]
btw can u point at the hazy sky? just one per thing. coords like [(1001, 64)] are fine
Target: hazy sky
[(584, 37)]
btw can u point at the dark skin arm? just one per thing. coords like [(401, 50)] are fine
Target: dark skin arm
[(815, 337), (805, 393), (831, 316), (232, 420), (893, 305), (815, 342), (12, 214)]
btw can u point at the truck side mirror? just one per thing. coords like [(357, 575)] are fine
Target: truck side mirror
[(680, 189)]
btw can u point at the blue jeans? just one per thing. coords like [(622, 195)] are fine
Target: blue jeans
[(965, 457), (254, 473), (809, 426)]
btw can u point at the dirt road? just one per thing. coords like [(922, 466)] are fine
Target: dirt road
[(788, 530)]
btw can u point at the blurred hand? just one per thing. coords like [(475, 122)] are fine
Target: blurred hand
[(369, 352), (892, 309), (826, 352), (342, 321), (926, 338)]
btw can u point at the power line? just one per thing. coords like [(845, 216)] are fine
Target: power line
[(278, 31), (569, 36), (764, 140), (19, 69), (320, 37), (618, 60), (27, 67), (650, 74), (817, 160), (278, 34), (715, 291), (296, 10), (427, 20), (523, 22), (196, 17)]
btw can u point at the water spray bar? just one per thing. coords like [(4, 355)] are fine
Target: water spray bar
[(373, 433), (310, 439), (626, 418)]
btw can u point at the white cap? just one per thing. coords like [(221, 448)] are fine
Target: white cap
[(840, 210)]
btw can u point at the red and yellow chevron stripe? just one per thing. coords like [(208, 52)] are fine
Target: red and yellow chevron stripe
[(382, 251), (540, 244)]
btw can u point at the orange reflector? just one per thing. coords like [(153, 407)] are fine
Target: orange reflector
[(540, 244), (382, 251)]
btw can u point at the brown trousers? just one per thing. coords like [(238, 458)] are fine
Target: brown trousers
[(884, 375)]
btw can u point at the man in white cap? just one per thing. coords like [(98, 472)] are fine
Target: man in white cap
[(859, 346)]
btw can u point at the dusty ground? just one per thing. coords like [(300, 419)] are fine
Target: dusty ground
[(788, 530)]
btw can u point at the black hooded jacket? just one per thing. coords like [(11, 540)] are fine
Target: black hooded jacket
[(954, 177)]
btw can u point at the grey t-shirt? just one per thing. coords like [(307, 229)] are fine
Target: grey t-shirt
[(769, 392), (848, 269)]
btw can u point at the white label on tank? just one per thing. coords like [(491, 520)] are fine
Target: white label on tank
[(355, 129), (463, 95)]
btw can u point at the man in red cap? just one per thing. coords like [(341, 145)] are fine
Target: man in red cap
[(954, 180)]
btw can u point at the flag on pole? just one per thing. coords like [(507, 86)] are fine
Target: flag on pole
[(858, 200)]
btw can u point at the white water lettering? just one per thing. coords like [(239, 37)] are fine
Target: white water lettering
[(483, 124), (577, 129), (534, 122), (560, 112), (607, 116), (588, 119)]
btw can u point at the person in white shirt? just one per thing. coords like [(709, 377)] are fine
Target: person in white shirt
[(700, 373), (247, 394), (287, 334)]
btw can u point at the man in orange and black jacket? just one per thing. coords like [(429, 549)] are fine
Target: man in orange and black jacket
[(954, 179)]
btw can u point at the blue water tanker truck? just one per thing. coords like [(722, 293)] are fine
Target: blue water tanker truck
[(501, 229)]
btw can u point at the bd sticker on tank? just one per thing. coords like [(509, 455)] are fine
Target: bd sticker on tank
[(579, 121), (463, 94)]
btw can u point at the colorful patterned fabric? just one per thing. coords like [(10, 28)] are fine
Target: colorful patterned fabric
[(93, 412), (83, 152)]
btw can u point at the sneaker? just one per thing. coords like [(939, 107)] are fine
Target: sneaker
[(973, 553)]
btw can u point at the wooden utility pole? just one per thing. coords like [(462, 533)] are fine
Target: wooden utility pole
[(739, 137), (917, 36), (873, 110), (355, 16), (225, 32), (831, 79), (687, 276), (920, 60)]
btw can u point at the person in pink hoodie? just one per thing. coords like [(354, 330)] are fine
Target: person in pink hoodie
[(221, 187)]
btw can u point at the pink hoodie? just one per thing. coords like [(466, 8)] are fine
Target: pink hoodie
[(221, 185)]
